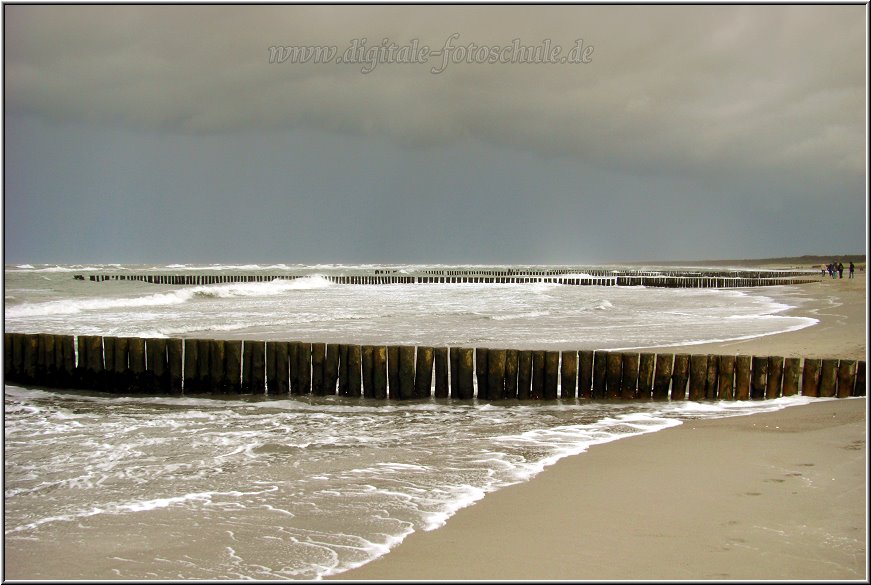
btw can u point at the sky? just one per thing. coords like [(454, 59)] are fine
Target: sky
[(446, 134)]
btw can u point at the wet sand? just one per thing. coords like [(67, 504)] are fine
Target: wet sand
[(779, 495)]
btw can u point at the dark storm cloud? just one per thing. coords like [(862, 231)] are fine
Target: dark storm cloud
[(686, 86), (731, 111)]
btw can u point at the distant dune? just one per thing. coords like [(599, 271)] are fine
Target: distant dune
[(787, 261)]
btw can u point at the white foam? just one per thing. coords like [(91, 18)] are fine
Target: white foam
[(176, 297)]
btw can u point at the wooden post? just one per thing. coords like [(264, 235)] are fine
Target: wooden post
[(791, 376), (95, 359), (355, 380), (61, 378), (14, 368), (45, 370), (331, 369), (726, 374), (481, 372), (698, 375), (258, 367), (136, 358), (204, 353), (829, 378), (304, 367), (759, 377), (662, 374), (859, 386), (614, 367), (218, 367), (269, 356), (846, 378), (742, 377), (629, 380), (509, 391), (551, 375), (33, 367), (293, 366), (318, 356), (600, 374), (280, 353), (28, 364), (524, 374), (368, 378), (441, 372), (453, 361), (680, 376), (155, 351), (8, 370), (496, 359), (810, 378), (65, 360), (406, 371), (343, 370), (465, 371), (712, 378), (585, 374), (191, 384), (31, 353), (253, 367), (538, 358), (775, 377), (174, 352), (646, 365), (393, 372), (568, 374), (232, 366), (423, 372), (107, 381), (379, 372)]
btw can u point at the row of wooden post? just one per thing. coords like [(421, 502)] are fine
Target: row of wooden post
[(213, 366), (606, 278)]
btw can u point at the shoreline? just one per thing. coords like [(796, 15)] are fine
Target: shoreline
[(838, 305), (777, 495)]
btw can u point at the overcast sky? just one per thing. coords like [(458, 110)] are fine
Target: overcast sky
[(164, 134)]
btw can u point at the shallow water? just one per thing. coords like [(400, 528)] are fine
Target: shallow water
[(293, 488), (522, 316)]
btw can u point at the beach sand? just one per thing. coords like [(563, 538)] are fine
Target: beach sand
[(839, 305), (780, 495)]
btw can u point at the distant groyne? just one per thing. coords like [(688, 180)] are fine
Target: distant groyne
[(176, 366), (578, 276)]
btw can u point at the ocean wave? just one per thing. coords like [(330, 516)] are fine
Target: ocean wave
[(221, 291), (523, 315), (53, 268), (279, 266), (73, 306)]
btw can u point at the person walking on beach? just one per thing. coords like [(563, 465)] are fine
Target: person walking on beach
[(840, 270), (831, 268), (852, 268)]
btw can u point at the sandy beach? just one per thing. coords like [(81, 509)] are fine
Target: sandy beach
[(779, 495), (839, 305)]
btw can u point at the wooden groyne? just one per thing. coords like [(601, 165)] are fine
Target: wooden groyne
[(175, 366), (578, 276)]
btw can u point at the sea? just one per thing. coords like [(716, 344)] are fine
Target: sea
[(102, 486)]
